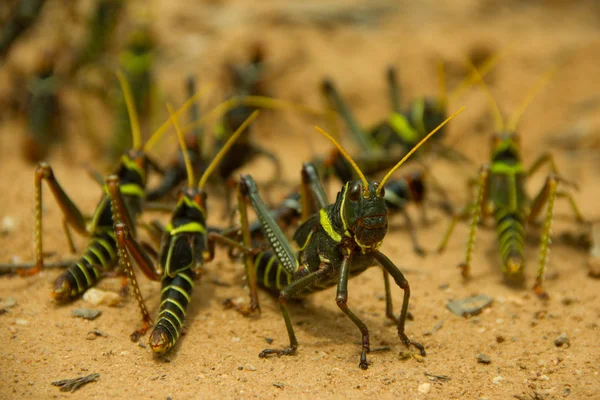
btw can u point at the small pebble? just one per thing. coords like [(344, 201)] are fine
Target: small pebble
[(251, 367), (469, 306), (86, 313), (484, 359), (12, 329), (21, 322), (8, 225), (236, 339), (97, 297), (497, 380), (562, 340), (268, 340), (500, 339), (425, 388)]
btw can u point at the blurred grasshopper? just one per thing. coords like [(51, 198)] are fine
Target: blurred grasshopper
[(501, 194)]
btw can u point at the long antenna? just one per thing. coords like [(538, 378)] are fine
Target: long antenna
[(430, 134), (347, 157), (512, 125), (133, 118), (184, 150), (499, 121), (226, 147), (206, 88)]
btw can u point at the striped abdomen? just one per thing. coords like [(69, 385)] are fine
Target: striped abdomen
[(100, 256), (174, 301), (511, 238), (270, 273)]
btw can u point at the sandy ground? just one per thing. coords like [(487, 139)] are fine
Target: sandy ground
[(353, 42)]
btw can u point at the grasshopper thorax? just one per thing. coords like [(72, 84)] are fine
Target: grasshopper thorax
[(506, 147), (363, 213)]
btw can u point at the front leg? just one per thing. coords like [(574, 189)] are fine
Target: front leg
[(312, 194), (401, 281), (285, 295), (341, 299)]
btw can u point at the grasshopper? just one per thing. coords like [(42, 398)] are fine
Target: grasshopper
[(186, 245), (501, 193), (100, 255), (336, 241)]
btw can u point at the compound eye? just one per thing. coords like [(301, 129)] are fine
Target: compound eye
[(354, 192)]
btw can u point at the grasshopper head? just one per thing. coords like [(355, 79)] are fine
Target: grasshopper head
[(364, 214), (191, 206), (506, 146), (133, 167), (64, 290)]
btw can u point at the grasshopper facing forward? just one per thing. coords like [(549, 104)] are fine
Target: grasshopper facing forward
[(336, 241), (501, 193)]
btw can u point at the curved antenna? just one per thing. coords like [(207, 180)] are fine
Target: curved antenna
[(206, 88), (133, 118), (512, 125), (347, 157), (471, 78), (430, 134), (442, 84), (213, 164), (256, 101), (499, 121), (184, 150)]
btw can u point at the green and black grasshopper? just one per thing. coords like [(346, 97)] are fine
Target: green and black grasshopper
[(501, 193), (100, 255), (336, 241), (403, 129), (186, 245)]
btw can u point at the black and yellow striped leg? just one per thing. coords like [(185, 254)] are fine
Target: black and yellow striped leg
[(477, 211), (285, 295), (547, 195), (312, 194), (70, 211), (341, 300), (401, 281)]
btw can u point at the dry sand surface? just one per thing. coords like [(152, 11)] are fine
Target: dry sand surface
[(352, 42)]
